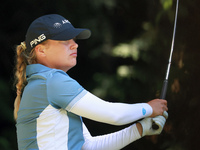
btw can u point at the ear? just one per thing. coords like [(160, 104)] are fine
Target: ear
[(40, 50)]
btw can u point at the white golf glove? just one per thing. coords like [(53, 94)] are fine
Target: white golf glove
[(147, 124)]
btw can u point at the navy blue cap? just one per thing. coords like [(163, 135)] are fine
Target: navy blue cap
[(54, 27)]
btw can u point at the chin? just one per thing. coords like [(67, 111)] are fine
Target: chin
[(68, 68)]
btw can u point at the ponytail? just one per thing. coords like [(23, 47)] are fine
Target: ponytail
[(22, 59)]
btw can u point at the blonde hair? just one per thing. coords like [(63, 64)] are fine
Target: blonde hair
[(23, 58)]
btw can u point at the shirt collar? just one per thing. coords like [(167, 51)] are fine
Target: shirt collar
[(36, 68)]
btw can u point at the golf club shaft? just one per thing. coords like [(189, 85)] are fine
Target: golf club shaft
[(165, 83)]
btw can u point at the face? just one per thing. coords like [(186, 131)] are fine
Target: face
[(60, 54)]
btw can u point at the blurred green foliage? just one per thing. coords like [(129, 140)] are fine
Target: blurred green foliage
[(125, 60)]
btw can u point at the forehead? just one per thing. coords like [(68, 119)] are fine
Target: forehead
[(50, 43), (57, 43)]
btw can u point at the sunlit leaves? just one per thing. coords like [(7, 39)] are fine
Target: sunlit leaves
[(127, 50), (167, 4), (125, 71)]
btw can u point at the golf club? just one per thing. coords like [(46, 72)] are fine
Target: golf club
[(165, 83)]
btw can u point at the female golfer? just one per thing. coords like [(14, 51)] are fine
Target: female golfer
[(50, 104)]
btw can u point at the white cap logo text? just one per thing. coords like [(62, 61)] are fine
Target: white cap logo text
[(65, 21), (39, 39)]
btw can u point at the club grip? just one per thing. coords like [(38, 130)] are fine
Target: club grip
[(162, 96), (164, 89)]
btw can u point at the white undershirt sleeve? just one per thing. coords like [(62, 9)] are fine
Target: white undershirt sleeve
[(112, 141), (94, 108)]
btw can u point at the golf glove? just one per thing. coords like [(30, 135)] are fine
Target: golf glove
[(147, 124)]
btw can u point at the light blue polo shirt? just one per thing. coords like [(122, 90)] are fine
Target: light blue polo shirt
[(44, 120)]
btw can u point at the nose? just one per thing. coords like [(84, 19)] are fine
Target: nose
[(74, 45)]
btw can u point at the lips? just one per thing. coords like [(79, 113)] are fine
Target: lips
[(73, 54)]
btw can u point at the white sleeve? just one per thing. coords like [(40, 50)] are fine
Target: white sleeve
[(112, 141), (94, 108)]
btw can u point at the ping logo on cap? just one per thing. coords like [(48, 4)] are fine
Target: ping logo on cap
[(40, 38)]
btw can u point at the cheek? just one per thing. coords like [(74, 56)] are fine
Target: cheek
[(66, 59), (61, 55)]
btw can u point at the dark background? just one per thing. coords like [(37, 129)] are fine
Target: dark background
[(125, 60)]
